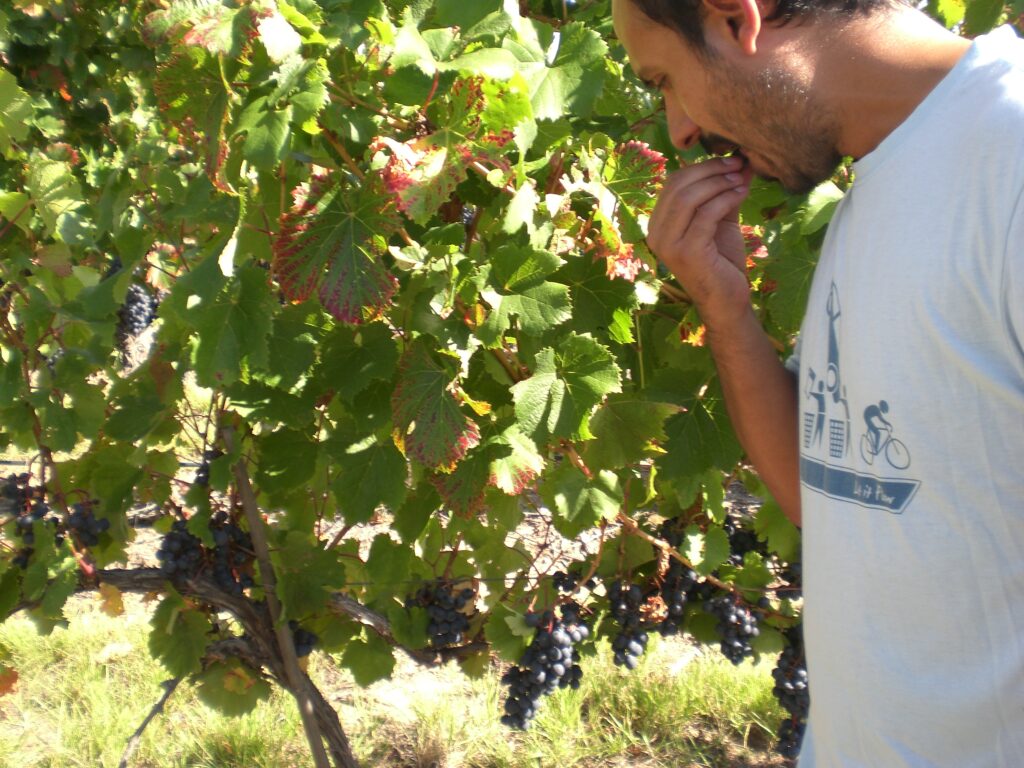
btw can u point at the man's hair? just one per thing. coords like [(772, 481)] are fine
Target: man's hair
[(687, 16)]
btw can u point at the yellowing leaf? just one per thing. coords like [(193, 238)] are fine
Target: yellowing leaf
[(110, 600)]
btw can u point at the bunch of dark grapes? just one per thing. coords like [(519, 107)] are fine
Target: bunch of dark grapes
[(569, 582), (183, 556), (741, 539), (232, 554), (445, 609), (737, 626), (28, 505), (304, 640), (84, 526), (791, 690), (625, 601), (180, 553), (135, 315), (549, 663), (202, 477), (676, 587)]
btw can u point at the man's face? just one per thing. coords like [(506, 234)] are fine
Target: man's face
[(761, 107)]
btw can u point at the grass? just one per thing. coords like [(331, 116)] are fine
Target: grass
[(84, 690)]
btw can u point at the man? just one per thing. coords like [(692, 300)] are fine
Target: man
[(914, 575)]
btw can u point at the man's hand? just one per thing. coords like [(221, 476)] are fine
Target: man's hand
[(695, 232)]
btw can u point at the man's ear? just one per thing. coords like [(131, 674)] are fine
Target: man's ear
[(741, 18)]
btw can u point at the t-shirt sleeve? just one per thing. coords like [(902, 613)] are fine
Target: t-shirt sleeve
[(793, 361), (1013, 280)]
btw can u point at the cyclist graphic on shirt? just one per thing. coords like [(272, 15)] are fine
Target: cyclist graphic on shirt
[(876, 423)]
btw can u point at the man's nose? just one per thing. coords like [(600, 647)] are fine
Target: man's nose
[(683, 132)]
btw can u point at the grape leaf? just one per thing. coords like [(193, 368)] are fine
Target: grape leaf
[(288, 459), (520, 290), (580, 503), (772, 526), (370, 473), (599, 304), (428, 420), (567, 383), (231, 687), (516, 467), (331, 242), (57, 196), (626, 428), (306, 573), (233, 328), (352, 358), (422, 173), (635, 173), (179, 635), (369, 660), (570, 82), (15, 112), (705, 550)]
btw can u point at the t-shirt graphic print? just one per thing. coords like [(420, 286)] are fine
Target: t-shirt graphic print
[(827, 461)]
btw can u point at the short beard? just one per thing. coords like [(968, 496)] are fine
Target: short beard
[(802, 130)]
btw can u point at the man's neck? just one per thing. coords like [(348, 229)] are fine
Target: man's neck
[(881, 68)]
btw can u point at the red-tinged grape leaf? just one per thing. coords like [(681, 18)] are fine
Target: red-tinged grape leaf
[(8, 679), (221, 30), (428, 420), (231, 687), (369, 660), (331, 242), (190, 91), (566, 385), (179, 635), (421, 174), (619, 256), (635, 173), (518, 465), (173, 20)]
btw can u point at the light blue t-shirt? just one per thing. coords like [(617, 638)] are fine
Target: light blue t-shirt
[(911, 365)]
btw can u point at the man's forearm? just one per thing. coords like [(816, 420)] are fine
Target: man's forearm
[(762, 400)]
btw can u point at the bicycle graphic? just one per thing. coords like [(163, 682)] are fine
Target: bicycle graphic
[(894, 450), (879, 440)]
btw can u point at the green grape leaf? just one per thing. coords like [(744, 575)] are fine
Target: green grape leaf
[(15, 112), (507, 633), (16, 207), (179, 635), (352, 358), (231, 687), (370, 473), (409, 627), (220, 30), (571, 81), (267, 128), (57, 196), (429, 423), (773, 527), (626, 428), (579, 503), (982, 15), (700, 438), (412, 517), (791, 267), (388, 564), (521, 291), (599, 304), (370, 660), (821, 204), (566, 385), (306, 573), (287, 459), (705, 551), (331, 242), (235, 327)]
